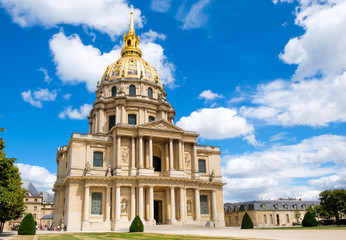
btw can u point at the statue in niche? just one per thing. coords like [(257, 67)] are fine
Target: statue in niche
[(87, 168), (109, 172), (124, 206), (189, 206), (212, 175)]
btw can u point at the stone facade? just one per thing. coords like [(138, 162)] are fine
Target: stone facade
[(268, 213), (134, 160)]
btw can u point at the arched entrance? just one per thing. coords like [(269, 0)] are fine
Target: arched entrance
[(157, 164)]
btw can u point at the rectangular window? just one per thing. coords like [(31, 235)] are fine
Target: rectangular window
[(98, 159), (288, 218), (132, 119), (265, 219), (201, 166), (96, 203), (111, 122), (204, 204), (271, 219)]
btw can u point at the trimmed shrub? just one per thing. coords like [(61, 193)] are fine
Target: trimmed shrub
[(309, 220), (27, 226), (246, 223), (137, 225)]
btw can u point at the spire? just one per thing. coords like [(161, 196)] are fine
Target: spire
[(131, 41), (132, 29)]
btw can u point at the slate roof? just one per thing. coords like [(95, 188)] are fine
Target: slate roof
[(47, 198), (29, 187), (50, 216), (269, 205)]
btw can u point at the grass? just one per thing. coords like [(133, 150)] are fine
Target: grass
[(307, 228), (123, 236)]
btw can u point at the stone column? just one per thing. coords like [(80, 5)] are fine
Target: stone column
[(108, 204), (167, 156), (113, 204), (171, 166), (123, 115), (118, 152), (151, 203), (180, 159), (117, 115), (150, 153), (146, 115), (182, 204), (195, 161), (183, 154), (133, 153), (86, 203), (172, 205), (133, 202), (214, 206), (114, 153), (117, 203), (140, 153), (140, 202), (98, 122), (197, 206), (140, 115), (168, 215)]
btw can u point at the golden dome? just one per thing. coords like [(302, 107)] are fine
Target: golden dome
[(131, 65)]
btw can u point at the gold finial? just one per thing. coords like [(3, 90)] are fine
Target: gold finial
[(132, 29), (131, 41)]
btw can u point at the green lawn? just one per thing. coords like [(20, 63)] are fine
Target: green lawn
[(142, 236), (307, 228)]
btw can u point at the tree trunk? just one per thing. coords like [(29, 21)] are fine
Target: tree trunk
[(2, 226), (337, 219)]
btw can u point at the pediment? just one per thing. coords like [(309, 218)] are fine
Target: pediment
[(162, 125)]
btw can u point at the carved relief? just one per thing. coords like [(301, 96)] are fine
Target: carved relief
[(125, 155), (189, 207), (187, 160), (132, 68), (124, 206), (159, 195), (161, 126)]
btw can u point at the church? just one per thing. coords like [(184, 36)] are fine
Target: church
[(134, 160)]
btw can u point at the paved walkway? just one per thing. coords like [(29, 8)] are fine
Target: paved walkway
[(273, 234)]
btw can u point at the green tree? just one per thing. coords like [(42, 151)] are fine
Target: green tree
[(309, 220), (137, 225), (27, 226), (333, 202), (246, 223), (319, 212), (11, 193)]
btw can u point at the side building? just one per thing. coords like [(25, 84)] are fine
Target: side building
[(38, 203), (268, 213), (134, 160)]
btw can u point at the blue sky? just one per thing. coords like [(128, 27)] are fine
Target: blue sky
[(262, 79)]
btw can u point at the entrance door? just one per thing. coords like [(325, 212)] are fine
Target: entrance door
[(158, 212)]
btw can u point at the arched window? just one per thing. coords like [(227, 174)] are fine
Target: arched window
[(157, 164), (114, 91), (132, 119), (151, 119), (132, 90), (150, 92), (111, 122), (35, 208)]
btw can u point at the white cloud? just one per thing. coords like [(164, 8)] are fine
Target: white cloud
[(76, 114), (47, 78), (160, 5), (195, 17), (281, 171), (216, 123), (40, 177), (315, 96), (314, 102), (37, 98), (76, 62), (67, 96), (107, 16), (322, 48), (208, 95), (152, 36)]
